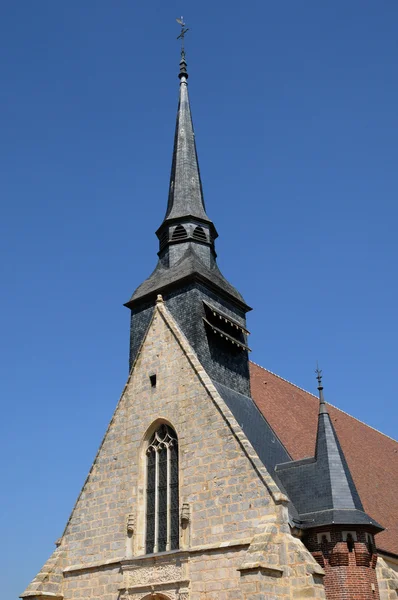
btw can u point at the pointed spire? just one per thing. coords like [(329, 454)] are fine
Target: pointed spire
[(342, 491), (322, 488), (187, 275), (186, 235), (185, 190)]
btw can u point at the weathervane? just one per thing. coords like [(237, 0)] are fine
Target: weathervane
[(181, 37)]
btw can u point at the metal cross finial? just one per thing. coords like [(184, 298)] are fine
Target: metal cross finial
[(318, 372), (181, 37)]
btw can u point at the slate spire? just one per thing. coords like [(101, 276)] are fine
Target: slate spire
[(185, 189), (342, 490), (322, 488)]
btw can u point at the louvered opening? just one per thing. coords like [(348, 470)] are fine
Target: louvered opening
[(225, 328), (164, 239), (199, 234), (179, 233)]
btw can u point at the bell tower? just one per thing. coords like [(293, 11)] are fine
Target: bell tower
[(209, 310)]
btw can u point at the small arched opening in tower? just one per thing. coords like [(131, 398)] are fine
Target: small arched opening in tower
[(179, 233), (226, 329), (199, 234)]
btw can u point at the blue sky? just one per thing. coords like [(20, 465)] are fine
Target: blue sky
[(295, 111)]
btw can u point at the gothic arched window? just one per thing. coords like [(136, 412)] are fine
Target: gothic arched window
[(162, 510)]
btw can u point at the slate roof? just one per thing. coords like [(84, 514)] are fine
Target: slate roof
[(185, 191), (189, 266), (372, 457), (265, 442), (263, 439), (322, 487)]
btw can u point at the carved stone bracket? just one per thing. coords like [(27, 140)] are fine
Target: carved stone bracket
[(130, 523), (185, 514)]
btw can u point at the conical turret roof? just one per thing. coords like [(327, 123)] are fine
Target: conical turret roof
[(321, 487)]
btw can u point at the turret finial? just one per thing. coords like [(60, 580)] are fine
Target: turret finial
[(322, 404), (183, 64), (318, 372)]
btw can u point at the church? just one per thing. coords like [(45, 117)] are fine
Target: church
[(201, 488)]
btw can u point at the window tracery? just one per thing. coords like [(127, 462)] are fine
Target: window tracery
[(162, 510)]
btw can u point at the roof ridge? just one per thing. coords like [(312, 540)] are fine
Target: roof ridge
[(287, 381), (329, 403)]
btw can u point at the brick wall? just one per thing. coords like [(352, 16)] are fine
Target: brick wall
[(350, 575)]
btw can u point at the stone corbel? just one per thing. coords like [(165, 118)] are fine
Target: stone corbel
[(130, 524), (185, 515)]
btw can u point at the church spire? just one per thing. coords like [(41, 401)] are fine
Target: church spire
[(209, 310), (185, 189)]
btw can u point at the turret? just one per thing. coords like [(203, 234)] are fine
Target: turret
[(334, 525)]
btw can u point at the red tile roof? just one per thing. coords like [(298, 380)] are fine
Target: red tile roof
[(372, 457)]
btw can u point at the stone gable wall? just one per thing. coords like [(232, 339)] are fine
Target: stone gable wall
[(226, 496), (231, 497)]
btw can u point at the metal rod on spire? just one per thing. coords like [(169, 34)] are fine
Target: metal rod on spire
[(318, 372), (322, 404)]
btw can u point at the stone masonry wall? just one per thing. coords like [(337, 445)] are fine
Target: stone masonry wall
[(388, 580), (230, 495)]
